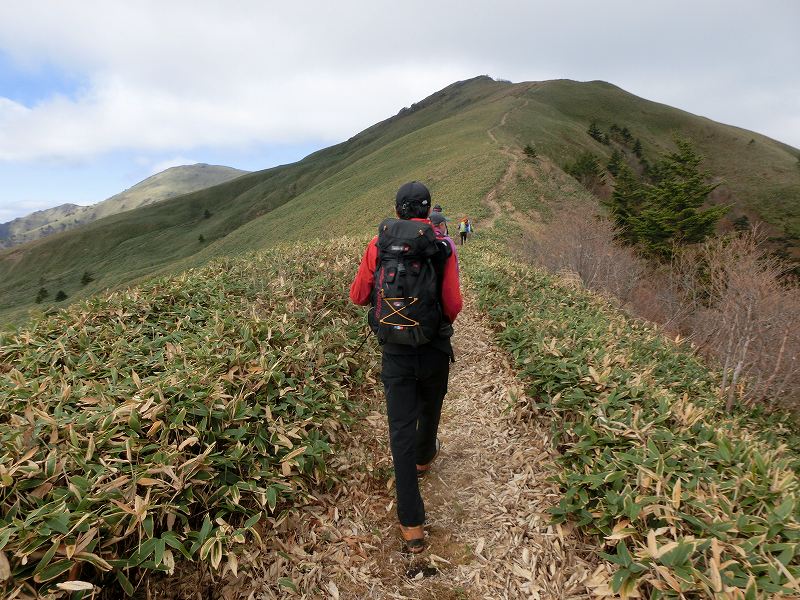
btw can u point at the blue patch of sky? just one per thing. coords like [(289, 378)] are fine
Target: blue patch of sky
[(29, 186), (30, 85)]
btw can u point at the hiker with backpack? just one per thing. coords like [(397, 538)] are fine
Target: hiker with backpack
[(410, 278), (439, 222), (464, 227), (437, 212)]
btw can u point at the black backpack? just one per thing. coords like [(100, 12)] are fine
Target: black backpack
[(406, 306)]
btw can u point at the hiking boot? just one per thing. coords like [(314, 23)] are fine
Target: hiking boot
[(414, 537), (422, 469)]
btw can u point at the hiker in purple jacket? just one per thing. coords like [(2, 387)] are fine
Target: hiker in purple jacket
[(439, 222)]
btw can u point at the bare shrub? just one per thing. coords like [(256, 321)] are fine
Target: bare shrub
[(747, 318), (656, 298), (579, 241), (728, 295)]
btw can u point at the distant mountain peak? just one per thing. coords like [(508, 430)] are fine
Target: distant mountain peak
[(171, 182)]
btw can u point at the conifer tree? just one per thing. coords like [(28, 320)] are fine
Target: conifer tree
[(86, 278), (742, 223), (587, 170), (671, 211), (637, 148), (60, 296), (595, 132), (615, 162), (41, 295), (625, 203)]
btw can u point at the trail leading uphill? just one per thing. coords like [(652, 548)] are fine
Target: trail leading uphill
[(487, 496)]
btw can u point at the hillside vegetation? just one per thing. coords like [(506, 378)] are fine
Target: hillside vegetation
[(348, 188), (175, 421), (172, 182), (11, 232), (183, 419), (688, 500)]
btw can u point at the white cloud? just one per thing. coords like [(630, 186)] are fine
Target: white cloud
[(172, 76), (165, 76)]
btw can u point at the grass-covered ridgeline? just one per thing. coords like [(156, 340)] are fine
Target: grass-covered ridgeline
[(345, 189), (689, 501), (176, 419)]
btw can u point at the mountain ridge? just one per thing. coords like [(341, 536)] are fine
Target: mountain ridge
[(347, 188), (171, 182)]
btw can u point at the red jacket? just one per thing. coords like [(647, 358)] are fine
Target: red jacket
[(361, 288)]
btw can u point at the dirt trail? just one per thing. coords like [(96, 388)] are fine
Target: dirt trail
[(516, 166), (486, 497)]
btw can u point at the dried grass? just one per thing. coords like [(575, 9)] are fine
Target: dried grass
[(746, 318), (580, 243)]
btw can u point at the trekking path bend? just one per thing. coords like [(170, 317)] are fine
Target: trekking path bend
[(491, 197), (517, 166)]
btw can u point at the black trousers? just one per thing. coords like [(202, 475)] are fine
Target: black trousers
[(414, 386)]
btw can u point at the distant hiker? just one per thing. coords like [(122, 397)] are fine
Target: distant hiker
[(411, 280), (437, 208), (439, 222), (463, 229)]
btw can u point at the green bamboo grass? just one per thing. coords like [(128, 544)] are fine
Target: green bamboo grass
[(689, 502), (176, 420)]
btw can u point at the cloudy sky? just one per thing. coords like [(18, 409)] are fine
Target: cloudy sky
[(96, 95)]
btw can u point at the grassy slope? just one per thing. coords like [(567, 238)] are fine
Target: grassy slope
[(207, 384), (35, 220), (762, 176), (175, 181), (455, 157), (137, 243), (349, 187), (654, 467)]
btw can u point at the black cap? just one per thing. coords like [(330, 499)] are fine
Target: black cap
[(412, 192), (437, 217)]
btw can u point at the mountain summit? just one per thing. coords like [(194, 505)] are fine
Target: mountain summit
[(169, 183)]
